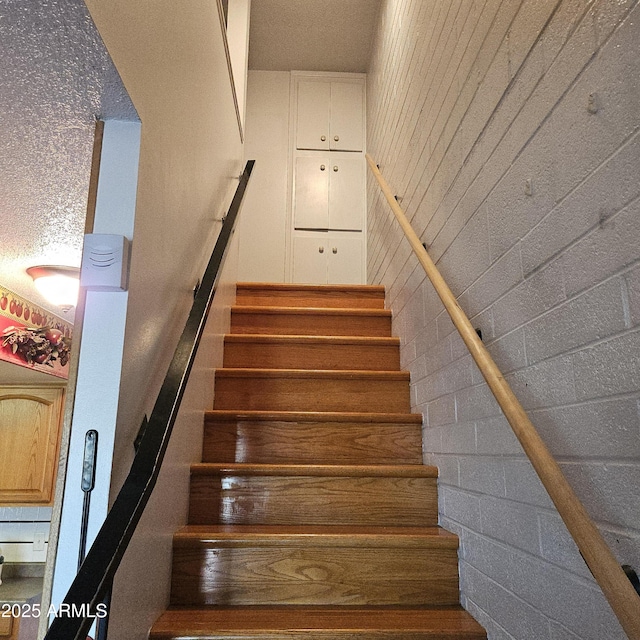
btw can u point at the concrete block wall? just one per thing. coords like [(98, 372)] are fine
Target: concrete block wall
[(509, 129)]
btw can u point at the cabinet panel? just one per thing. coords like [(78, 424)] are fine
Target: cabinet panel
[(9, 628), (313, 115), (328, 258), (311, 193), (329, 192), (346, 193), (310, 259), (347, 117), (344, 261), (30, 422)]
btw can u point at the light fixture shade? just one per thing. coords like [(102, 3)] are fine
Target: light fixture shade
[(58, 284)]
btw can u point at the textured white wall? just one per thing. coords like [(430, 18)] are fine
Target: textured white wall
[(262, 224), (510, 130), (172, 60)]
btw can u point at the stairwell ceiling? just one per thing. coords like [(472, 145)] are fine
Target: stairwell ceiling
[(312, 35)]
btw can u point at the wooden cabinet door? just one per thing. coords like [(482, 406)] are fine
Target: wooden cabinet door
[(346, 131), (9, 628), (313, 115), (30, 423)]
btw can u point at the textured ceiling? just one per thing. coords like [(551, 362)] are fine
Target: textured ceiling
[(312, 35), (56, 78)]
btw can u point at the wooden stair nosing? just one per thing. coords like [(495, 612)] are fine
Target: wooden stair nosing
[(351, 622), (334, 536), (376, 289), (221, 415), (314, 470)]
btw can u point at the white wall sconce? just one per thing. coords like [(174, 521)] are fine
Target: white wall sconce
[(58, 284)]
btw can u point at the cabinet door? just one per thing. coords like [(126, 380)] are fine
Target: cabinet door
[(346, 193), (310, 259), (311, 193), (30, 421), (312, 126), (344, 260), (347, 117)]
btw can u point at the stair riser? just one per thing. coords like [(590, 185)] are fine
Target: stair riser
[(311, 394), (314, 443), (275, 500), (310, 324), (354, 299), (300, 356), (284, 575)]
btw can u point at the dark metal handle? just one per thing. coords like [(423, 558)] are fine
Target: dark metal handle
[(87, 483), (89, 460)]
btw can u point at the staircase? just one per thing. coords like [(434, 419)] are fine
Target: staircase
[(311, 515)]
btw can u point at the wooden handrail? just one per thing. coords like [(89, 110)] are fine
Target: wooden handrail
[(603, 565)]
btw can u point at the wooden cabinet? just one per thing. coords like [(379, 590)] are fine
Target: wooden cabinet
[(329, 191), (30, 425), (328, 258), (330, 115), (9, 627)]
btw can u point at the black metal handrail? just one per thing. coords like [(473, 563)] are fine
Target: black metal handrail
[(96, 573)]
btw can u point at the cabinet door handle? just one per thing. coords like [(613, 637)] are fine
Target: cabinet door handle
[(335, 168), (336, 138), (320, 249), (323, 138), (322, 167), (335, 249)]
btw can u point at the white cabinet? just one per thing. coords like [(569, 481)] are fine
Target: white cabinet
[(330, 115), (328, 195), (328, 258), (329, 191)]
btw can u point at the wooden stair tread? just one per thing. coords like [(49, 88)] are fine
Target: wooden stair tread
[(352, 296), (428, 622), (322, 374), (216, 415), (337, 470), (318, 288), (314, 536), (264, 338), (312, 426), (310, 311)]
